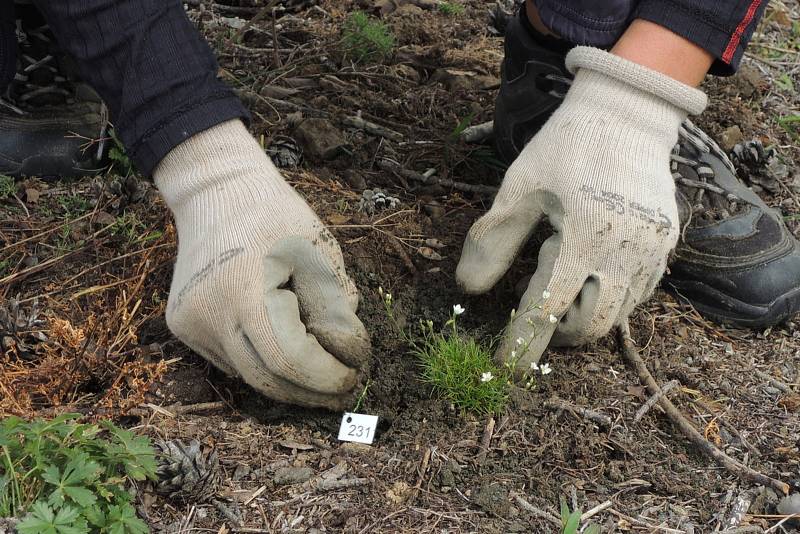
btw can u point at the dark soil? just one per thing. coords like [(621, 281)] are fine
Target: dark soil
[(426, 471)]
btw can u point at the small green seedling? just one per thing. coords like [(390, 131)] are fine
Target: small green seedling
[(458, 367), (8, 187), (64, 477), (74, 205), (366, 40), (791, 124), (120, 161), (362, 396), (451, 9), (571, 521)]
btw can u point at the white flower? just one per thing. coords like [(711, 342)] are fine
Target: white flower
[(553, 319), (545, 294), (545, 369), (485, 377), (380, 290), (520, 341), (534, 366), (458, 309), (513, 354)]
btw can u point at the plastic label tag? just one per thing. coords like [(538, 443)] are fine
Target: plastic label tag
[(358, 428)]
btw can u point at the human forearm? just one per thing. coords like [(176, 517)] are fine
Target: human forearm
[(658, 48)]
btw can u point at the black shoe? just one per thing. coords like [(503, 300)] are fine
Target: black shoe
[(48, 124), (534, 81), (736, 261)]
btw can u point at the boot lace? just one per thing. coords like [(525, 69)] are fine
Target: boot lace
[(696, 180), (38, 80)]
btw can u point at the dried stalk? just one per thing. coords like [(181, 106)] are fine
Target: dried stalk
[(632, 356)]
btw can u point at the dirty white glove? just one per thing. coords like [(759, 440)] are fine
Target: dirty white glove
[(599, 172), (255, 269)]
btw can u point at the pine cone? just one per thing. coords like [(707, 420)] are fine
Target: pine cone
[(7, 525), (189, 472)]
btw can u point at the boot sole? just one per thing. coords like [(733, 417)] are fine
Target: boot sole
[(732, 311), (46, 166)]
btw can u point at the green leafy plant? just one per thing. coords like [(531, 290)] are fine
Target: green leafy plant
[(71, 478), (571, 521), (451, 9), (74, 205), (462, 125), (365, 39), (461, 369), (785, 83), (7, 187), (120, 162), (128, 226), (791, 123)]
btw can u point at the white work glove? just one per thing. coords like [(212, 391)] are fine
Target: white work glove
[(599, 172), (255, 269)]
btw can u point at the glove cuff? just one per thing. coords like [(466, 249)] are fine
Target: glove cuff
[(689, 99)]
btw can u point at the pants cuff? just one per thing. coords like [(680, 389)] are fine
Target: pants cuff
[(727, 48), (148, 151)]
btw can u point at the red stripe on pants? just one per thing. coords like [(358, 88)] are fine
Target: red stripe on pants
[(727, 56)]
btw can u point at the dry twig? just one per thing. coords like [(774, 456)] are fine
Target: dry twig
[(478, 133), (528, 507), (632, 356), (371, 128), (488, 432), (391, 166), (653, 400), (556, 403)]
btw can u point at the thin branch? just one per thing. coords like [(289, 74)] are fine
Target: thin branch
[(632, 356), (556, 403), (391, 166)]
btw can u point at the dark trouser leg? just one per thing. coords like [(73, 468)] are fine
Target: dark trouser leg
[(8, 44), (587, 22), (150, 65), (722, 27)]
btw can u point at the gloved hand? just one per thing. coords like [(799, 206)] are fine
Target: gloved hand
[(599, 171), (255, 269)]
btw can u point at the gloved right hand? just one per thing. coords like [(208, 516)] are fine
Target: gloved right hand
[(599, 172), (255, 269)]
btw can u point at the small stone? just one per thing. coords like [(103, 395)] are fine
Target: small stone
[(355, 180), (242, 470), (351, 449), (434, 210), (292, 475), (320, 138), (731, 137), (795, 185), (407, 72), (749, 80), (790, 505), (777, 169), (493, 498)]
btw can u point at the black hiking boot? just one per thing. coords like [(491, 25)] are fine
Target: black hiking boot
[(49, 125), (736, 262)]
